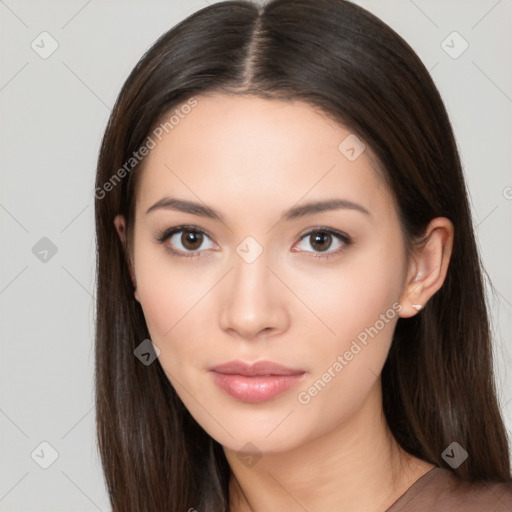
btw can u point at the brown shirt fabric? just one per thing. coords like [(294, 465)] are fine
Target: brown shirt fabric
[(439, 490)]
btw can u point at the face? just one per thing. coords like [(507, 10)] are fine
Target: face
[(263, 278)]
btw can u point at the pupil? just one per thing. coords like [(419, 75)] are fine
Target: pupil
[(194, 239), (319, 238), (191, 238)]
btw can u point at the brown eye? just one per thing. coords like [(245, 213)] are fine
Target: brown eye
[(191, 240), (186, 241), (321, 240)]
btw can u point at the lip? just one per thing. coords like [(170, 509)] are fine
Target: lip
[(255, 382), (256, 369)]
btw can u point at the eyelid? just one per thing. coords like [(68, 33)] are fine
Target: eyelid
[(343, 237), (325, 229), (168, 233)]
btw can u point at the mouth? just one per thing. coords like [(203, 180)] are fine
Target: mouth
[(255, 382)]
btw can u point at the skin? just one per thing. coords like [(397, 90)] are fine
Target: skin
[(251, 159)]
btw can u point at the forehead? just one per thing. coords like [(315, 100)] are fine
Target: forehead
[(257, 152)]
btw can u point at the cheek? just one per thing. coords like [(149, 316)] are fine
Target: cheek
[(346, 363), (174, 302), (346, 297), (356, 305), (335, 331)]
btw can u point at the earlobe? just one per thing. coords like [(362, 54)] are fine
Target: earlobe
[(429, 268)]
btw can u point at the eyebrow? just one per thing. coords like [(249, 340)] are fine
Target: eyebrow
[(201, 210)]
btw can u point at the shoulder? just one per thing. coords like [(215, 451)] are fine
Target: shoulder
[(440, 490)]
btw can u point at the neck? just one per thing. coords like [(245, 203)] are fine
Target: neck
[(357, 466)]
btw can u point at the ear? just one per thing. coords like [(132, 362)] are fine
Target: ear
[(120, 225), (428, 266)]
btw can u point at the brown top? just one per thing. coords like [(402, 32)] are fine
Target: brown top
[(440, 490)]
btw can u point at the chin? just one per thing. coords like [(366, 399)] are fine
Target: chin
[(261, 433)]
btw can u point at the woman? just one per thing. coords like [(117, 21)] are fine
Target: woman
[(290, 312)]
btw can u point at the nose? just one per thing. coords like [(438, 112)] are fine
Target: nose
[(253, 300)]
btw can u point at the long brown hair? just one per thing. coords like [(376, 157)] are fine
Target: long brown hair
[(438, 383)]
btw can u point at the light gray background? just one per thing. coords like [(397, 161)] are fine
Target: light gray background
[(53, 113)]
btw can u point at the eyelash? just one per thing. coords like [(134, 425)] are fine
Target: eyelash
[(165, 235)]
